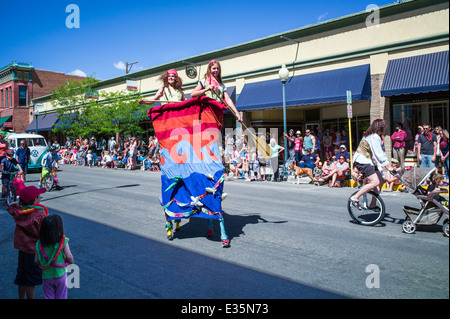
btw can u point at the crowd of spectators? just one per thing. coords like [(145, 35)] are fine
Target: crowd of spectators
[(131, 153), (325, 152), (308, 151)]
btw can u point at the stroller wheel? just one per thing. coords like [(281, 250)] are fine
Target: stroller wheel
[(409, 227), (445, 227)]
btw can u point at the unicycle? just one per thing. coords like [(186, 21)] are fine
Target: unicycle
[(371, 210)]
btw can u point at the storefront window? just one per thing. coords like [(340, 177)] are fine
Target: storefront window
[(438, 115), (414, 114), (359, 125)]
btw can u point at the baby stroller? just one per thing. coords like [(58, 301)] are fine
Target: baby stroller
[(284, 170), (430, 211)]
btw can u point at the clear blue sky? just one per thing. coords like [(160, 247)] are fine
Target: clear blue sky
[(150, 32)]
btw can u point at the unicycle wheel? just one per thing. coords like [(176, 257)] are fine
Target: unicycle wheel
[(48, 182), (371, 209)]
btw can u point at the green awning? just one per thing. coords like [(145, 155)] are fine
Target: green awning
[(4, 119)]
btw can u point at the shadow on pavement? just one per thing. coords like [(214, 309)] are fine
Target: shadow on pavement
[(234, 225), (115, 264)]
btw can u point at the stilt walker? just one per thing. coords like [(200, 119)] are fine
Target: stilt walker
[(192, 173), (171, 91)]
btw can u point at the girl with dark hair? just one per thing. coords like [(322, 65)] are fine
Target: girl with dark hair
[(53, 255), (212, 86), (370, 148), (171, 89)]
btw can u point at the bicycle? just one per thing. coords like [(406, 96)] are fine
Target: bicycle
[(49, 180), (371, 208), (11, 191)]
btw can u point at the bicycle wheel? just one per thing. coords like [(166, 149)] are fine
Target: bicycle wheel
[(367, 216), (11, 195), (48, 182)]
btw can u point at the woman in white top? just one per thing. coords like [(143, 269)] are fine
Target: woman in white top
[(170, 91), (371, 148), (212, 86)]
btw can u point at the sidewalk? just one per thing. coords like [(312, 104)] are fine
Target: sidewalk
[(352, 183)]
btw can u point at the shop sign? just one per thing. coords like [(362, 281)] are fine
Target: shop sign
[(132, 85), (349, 97), (349, 111), (191, 72)]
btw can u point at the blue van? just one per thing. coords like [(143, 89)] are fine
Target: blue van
[(36, 143)]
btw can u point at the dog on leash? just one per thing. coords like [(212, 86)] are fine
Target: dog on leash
[(300, 171)]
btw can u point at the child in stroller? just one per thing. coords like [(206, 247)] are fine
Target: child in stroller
[(432, 206), (434, 189)]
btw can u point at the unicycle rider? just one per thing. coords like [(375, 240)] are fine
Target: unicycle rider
[(370, 149)]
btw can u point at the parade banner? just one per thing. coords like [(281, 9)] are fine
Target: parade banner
[(192, 176)]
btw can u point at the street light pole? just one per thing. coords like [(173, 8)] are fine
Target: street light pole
[(36, 113), (284, 74)]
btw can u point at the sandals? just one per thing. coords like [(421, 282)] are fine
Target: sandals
[(375, 209), (356, 204)]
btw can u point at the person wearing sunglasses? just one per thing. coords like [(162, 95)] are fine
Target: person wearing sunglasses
[(340, 173), (427, 147)]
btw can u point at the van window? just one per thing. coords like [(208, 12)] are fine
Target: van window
[(35, 141)]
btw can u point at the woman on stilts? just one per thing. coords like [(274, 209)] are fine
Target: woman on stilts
[(213, 87), (171, 91)]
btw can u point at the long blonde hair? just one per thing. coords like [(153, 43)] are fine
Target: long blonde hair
[(208, 71)]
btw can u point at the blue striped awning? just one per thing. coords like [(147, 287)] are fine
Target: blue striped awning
[(44, 122), (315, 88), (417, 74)]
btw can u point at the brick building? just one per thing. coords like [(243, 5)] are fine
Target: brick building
[(20, 83)]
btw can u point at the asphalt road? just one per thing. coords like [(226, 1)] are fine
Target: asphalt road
[(287, 241)]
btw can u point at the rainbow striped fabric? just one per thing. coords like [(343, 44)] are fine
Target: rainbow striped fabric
[(192, 172)]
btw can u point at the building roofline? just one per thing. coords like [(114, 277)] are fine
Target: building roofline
[(324, 26), (17, 65), (321, 27)]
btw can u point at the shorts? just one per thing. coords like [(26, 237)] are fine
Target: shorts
[(5, 178), (366, 169), (28, 272), (45, 171), (24, 167)]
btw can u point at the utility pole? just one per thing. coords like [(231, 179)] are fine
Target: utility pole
[(130, 65)]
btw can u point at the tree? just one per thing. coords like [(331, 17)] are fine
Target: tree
[(82, 111), (121, 113), (74, 103)]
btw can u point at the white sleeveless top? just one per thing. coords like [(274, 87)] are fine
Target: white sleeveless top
[(171, 94)]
